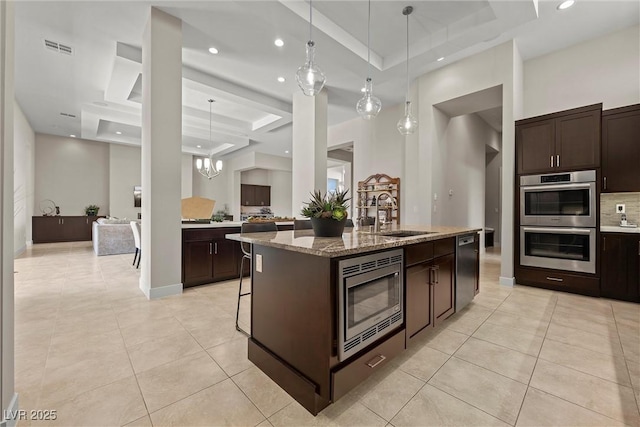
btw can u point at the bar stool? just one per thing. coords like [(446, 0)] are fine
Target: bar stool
[(249, 227), (135, 227)]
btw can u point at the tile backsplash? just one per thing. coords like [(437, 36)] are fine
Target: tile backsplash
[(608, 201)]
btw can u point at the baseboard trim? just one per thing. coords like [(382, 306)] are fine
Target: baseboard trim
[(19, 251), (160, 291), (507, 281), (13, 412)]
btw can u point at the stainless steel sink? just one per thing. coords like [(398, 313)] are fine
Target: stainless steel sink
[(404, 233)]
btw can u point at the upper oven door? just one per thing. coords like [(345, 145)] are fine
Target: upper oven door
[(563, 205)]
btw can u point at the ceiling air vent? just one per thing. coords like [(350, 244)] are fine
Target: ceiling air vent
[(58, 47), (73, 116)]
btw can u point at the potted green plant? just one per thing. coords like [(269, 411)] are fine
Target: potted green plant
[(92, 210), (328, 212)]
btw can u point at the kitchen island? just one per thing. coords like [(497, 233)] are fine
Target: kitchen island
[(303, 315)]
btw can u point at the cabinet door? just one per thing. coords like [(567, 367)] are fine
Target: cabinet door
[(621, 150), (76, 228), (225, 260), (247, 195), (535, 146), (620, 254), (578, 141), (46, 229), (198, 262), (418, 298), (263, 195), (444, 297)]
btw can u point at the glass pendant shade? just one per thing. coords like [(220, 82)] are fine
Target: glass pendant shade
[(310, 77), (368, 106), (407, 124)]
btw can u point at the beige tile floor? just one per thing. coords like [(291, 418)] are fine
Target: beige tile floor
[(90, 346)]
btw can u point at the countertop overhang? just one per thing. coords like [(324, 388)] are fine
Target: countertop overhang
[(618, 229), (352, 242)]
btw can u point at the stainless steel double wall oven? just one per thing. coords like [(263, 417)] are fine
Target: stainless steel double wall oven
[(558, 221)]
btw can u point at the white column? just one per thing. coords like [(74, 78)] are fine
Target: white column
[(9, 397), (161, 155), (309, 167)]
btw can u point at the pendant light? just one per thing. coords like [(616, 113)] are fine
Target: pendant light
[(407, 124), (310, 77), (368, 106), (208, 168)]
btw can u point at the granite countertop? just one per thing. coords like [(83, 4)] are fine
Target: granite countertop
[(224, 224), (618, 229), (352, 241)]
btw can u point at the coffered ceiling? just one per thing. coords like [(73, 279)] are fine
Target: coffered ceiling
[(90, 84)]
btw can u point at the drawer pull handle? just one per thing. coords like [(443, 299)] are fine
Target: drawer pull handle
[(373, 362), (555, 279)]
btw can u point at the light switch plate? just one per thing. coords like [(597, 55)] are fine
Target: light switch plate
[(259, 263), (620, 208)]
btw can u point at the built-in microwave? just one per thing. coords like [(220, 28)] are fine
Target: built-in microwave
[(370, 299), (559, 248), (564, 200)]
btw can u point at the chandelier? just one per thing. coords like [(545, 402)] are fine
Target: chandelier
[(208, 167)]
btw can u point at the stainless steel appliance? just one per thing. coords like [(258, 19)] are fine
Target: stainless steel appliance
[(466, 262), (564, 200), (370, 299), (560, 248)]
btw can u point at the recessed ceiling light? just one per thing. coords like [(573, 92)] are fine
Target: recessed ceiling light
[(278, 42), (198, 146), (566, 4), (286, 152), (118, 133), (281, 79), (441, 58), (213, 50), (72, 136)]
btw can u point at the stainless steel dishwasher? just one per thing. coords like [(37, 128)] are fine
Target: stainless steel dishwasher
[(466, 259)]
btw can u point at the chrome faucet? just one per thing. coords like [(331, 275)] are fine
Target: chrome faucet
[(376, 226)]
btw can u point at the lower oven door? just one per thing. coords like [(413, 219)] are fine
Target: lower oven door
[(559, 248)]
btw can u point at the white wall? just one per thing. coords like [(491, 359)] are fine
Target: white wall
[(461, 187), (124, 174), (187, 175), (493, 205), (72, 172), (604, 70), (23, 179), (255, 177), (280, 182)]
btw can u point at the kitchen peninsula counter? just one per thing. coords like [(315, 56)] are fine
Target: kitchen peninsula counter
[(296, 315)]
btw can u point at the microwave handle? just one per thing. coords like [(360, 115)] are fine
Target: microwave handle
[(557, 230), (575, 186)]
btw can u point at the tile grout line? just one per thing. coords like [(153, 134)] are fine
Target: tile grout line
[(537, 358), (633, 391)]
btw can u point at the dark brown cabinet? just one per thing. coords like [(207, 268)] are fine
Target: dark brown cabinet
[(620, 266), (621, 149), (255, 195), (430, 290), (561, 141), (207, 256), (49, 229)]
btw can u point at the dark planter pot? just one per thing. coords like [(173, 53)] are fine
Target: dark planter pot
[(92, 213), (328, 227)]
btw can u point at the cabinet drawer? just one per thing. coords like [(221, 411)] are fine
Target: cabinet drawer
[(420, 252), (444, 247), (558, 280), (372, 361)]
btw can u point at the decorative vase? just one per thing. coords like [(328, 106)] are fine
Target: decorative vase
[(328, 227)]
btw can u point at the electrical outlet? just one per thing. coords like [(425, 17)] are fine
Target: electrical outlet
[(259, 263), (620, 208)]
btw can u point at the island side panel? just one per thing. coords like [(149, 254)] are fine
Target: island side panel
[(293, 311)]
